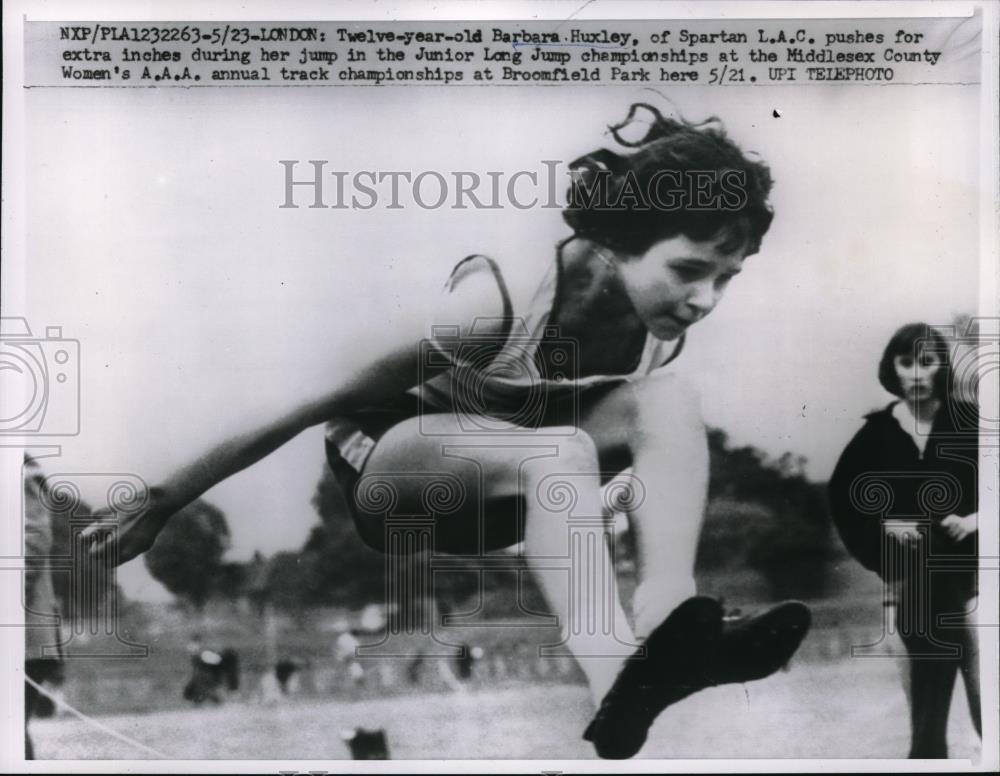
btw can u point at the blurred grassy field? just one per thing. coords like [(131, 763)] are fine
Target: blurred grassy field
[(847, 708)]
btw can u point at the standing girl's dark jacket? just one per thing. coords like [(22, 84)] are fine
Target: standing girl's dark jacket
[(882, 475)]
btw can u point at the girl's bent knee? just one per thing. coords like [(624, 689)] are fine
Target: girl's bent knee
[(578, 450), (575, 451), (667, 402)]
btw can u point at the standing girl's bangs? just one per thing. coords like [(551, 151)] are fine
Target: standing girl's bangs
[(914, 339)]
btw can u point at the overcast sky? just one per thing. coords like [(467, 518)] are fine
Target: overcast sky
[(155, 238)]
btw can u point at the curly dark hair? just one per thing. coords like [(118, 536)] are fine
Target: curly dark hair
[(912, 340), (681, 178)]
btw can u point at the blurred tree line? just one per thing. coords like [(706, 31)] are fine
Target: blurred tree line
[(764, 517)]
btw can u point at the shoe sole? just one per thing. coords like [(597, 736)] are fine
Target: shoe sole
[(645, 686)]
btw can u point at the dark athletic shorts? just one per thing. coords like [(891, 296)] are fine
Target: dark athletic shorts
[(502, 518)]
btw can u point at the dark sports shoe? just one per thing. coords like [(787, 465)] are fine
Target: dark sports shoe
[(755, 647), (694, 648), (672, 668)]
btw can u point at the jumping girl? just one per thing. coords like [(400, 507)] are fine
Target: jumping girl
[(507, 401)]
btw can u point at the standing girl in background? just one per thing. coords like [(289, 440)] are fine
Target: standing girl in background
[(924, 449)]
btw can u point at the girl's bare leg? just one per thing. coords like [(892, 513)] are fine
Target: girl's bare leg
[(556, 472), (567, 545), (656, 424)]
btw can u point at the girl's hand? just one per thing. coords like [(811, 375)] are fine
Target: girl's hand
[(958, 528), (118, 541)]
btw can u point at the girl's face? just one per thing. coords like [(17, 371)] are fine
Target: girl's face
[(677, 282), (917, 375)]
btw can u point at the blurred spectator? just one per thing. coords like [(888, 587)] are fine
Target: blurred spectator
[(345, 651), (366, 744), (288, 672), (415, 669), (466, 661), (43, 663), (212, 674)]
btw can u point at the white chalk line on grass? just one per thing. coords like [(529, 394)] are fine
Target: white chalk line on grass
[(94, 723)]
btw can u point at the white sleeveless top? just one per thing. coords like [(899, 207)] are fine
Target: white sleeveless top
[(510, 382), (501, 376)]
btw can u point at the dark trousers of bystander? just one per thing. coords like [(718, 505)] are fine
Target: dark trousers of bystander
[(36, 704), (935, 623)]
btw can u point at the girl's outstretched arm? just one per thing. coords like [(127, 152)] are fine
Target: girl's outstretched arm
[(389, 374), (388, 364)]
